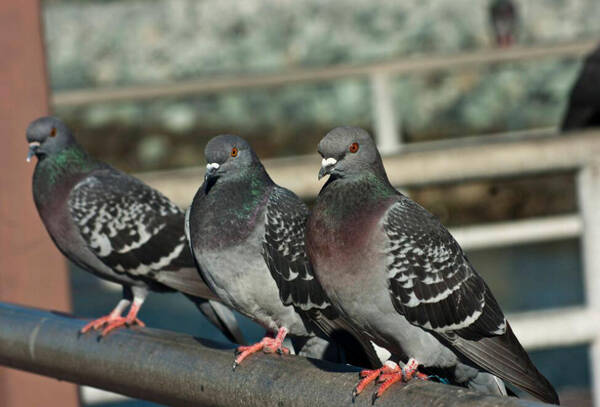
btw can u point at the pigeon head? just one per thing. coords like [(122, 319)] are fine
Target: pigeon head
[(227, 156), (347, 151), (47, 136)]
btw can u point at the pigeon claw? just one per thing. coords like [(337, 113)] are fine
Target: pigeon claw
[(96, 324), (387, 379), (387, 375), (367, 377), (114, 320), (111, 323), (267, 345), (243, 352), (120, 322)]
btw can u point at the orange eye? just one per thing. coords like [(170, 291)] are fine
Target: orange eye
[(234, 152), (53, 132), (353, 147)]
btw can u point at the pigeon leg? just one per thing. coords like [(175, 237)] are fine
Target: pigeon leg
[(397, 374), (277, 344), (114, 315), (268, 344), (130, 319)]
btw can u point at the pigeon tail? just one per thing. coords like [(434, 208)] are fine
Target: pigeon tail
[(504, 357), (222, 317)]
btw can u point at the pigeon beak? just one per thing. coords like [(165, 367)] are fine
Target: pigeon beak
[(33, 147), (326, 166), (211, 176), (211, 170)]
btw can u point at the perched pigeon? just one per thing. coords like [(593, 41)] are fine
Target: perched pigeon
[(398, 276), (504, 19), (583, 107), (247, 236), (116, 227)]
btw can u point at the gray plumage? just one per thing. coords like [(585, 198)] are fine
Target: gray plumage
[(247, 236), (112, 224), (397, 275)]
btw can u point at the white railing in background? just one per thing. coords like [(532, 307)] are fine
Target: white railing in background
[(379, 75), (470, 158)]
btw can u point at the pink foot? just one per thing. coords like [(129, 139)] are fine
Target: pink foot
[(387, 375), (97, 323), (267, 345), (130, 319), (120, 322), (114, 320)]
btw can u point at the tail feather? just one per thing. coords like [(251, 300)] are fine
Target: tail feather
[(187, 281), (503, 356), (487, 383), (358, 350), (222, 317)]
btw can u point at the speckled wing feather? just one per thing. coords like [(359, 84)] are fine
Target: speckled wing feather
[(431, 282), (131, 227), (434, 286), (285, 254)]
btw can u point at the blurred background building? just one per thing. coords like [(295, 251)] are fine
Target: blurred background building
[(145, 84)]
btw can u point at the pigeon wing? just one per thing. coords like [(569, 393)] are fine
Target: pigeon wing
[(130, 227), (432, 283)]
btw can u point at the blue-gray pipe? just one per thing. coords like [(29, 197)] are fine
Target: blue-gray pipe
[(179, 370)]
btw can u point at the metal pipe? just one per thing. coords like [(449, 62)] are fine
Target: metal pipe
[(179, 370)]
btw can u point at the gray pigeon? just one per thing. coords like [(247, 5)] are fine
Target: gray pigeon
[(247, 236), (397, 275), (583, 107), (116, 227)]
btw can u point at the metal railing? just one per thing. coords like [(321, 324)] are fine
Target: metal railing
[(412, 65), (379, 74), (179, 370), (466, 160)]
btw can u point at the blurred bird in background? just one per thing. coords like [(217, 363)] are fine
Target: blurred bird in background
[(504, 19), (583, 107)]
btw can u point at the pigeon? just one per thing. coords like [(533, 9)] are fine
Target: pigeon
[(583, 107), (247, 236), (504, 19), (395, 273), (116, 227)]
